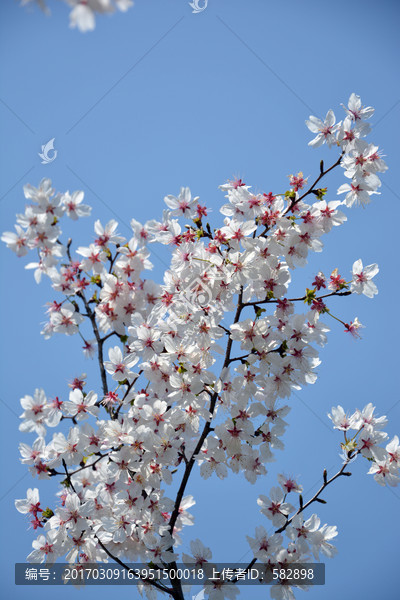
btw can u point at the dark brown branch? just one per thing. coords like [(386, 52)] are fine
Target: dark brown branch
[(114, 415), (241, 358), (99, 340), (267, 301), (108, 335), (316, 498), (207, 428), (115, 558), (311, 188), (122, 564), (91, 464), (68, 475)]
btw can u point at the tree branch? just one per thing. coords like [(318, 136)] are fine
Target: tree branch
[(207, 428), (100, 342), (325, 484), (267, 301), (122, 564), (321, 489), (310, 189)]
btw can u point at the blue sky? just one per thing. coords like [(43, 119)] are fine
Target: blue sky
[(158, 98)]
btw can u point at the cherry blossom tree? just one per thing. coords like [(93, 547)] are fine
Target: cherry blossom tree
[(194, 372), (83, 12)]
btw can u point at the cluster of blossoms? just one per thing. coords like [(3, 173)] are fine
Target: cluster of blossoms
[(360, 160), (366, 441), (83, 12), (186, 384)]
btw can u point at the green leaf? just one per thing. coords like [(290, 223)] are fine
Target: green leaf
[(310, 296), (320, 193), (48, 513)]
